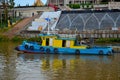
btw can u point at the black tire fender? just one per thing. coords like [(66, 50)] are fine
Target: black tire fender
[(77, 51), (109, 53), (47, 50), (55, 50), (41, 49), (113, 51), (26, 46), (101, 52), (31, 48)]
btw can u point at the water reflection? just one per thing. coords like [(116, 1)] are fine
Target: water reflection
[(7, 62), (23, 66), (65, 67)]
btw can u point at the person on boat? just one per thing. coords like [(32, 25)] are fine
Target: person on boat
[(78, 39), (83, 42)]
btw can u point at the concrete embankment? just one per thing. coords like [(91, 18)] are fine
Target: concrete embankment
[(20, 26)]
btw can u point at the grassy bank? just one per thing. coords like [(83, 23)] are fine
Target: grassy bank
[(108, 40), (18, 39)]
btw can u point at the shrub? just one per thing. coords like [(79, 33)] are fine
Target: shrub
[(74, 6), (17, 39), (36, 39), (108, 40), (3, 38)]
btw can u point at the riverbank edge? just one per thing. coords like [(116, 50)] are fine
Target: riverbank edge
[(4, 38)]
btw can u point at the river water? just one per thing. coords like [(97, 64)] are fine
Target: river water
[(24, 66)]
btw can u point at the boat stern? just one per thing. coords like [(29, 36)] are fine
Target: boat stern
[(17, 48)]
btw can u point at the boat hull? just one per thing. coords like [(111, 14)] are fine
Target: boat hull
[(64, 50)]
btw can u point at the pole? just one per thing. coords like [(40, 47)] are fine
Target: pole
[(56, 2), (48, 29), (1, 19), (48, 24)]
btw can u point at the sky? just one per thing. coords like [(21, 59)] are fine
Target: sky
[(24, 2)]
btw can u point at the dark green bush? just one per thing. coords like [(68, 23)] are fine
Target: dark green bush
[(17, 39), (77, 6), (108, 40), (74, 6), (36, 39), (3, 38)]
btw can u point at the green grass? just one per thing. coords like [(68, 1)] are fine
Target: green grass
[(2, 25), (82, 5), (4, 38), (4, 29), (108, 40)]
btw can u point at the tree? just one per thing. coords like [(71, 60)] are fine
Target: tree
[(105, 0), (7, 4), (109, 0), (11, 3), (117, 0), (5, 12)]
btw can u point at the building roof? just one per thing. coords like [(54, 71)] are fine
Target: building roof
[(38, 3), (58, 38), (69, 39), (80, 0)]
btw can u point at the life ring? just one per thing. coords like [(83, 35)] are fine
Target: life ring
[(26, 46), (41, 49), (55, 50), (31, 47), (77, 52), (47, 50), (101, 52)]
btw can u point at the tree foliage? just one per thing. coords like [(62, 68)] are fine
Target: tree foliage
[(108, 0), (7, 5), (11, 3)]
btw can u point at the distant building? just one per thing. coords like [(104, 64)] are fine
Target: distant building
[(55, 2), (114, 5), (85, 1), (64, 2), (0, 5)]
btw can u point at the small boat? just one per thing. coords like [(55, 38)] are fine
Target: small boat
[(53, 44)]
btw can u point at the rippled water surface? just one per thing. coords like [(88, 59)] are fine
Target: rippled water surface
[(23, 66)]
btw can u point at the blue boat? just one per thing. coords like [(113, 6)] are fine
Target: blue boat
[(52, 44)]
